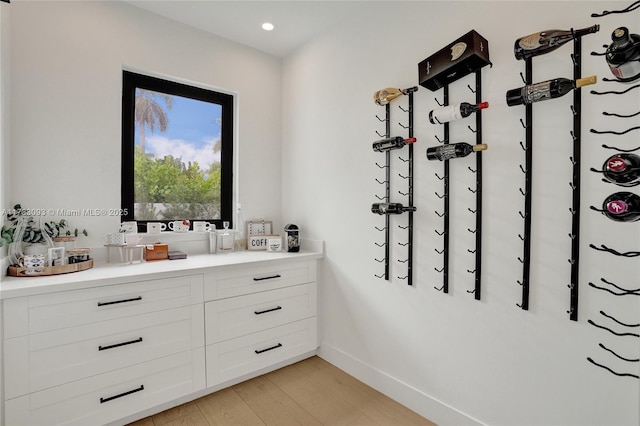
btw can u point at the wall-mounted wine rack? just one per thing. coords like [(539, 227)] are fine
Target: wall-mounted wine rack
[(621, 291), (387, 192), (410, 208), (446, 178), (575, 159)]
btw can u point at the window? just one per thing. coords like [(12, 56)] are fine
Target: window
[(177, 152)]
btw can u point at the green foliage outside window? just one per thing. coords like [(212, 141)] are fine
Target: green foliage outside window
[(183, 190)]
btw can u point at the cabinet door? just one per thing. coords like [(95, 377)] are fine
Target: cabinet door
[(237, 316), (111, 396), (236, 357), (49, 359), (71, 308), (236, 281)]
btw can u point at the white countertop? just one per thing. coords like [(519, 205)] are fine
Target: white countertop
[(112, 273)]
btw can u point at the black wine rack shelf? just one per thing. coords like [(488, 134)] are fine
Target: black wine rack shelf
[(410, 208), (575, 159), (446, 178), (607, 286)]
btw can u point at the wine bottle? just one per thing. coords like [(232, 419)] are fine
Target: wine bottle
[(544, 90), (622, 207), (455, 112), (391, 143), (622, 169), (547, 41), (623, 55), (384, 96), (454, 150), (390, 208)]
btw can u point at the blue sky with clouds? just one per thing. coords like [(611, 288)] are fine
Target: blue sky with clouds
[(194, 127)]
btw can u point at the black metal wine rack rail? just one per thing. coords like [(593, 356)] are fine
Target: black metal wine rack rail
[(576, 108), (477, 251), (575, 185), (387, 193), (387, 197), (609, 287)]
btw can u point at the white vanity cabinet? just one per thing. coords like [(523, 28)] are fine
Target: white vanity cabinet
[(258, 316), (112, 348), (94, 355)]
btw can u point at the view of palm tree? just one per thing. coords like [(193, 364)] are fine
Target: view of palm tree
[(177, 165), (149, 113)]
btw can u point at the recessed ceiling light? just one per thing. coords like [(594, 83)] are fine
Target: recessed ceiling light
[(267, 26)]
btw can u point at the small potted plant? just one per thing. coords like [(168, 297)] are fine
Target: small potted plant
[(23, 232)]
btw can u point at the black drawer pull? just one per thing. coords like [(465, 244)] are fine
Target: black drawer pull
[(117, 345), (277, 308), (111, 398), (279, 345), (268, 278), (120, 301)]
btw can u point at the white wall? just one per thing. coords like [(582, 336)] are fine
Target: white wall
[(66, 64), (488, 360), (4, 151), (4, 109)]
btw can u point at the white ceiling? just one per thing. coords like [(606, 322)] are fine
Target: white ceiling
[(296, 22)]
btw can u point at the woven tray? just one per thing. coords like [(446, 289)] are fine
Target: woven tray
[(18, 271)]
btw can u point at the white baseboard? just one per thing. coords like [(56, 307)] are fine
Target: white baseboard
[(416, 400)]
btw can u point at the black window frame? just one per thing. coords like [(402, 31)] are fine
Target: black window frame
[(130, 82)]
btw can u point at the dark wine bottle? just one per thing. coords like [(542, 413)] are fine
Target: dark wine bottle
[(622, 207), (454, 150), (623, 55), (390, 208), (391, 143), (547, 41), (622, 169), (545, 90), (455, 112)]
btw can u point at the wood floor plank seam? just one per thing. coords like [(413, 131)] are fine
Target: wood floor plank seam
[(311, 392)]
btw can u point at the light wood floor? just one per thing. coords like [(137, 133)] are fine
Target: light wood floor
[(310, 392)]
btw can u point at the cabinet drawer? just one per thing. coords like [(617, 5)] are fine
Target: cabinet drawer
[(45, 360), (233, 358), (225, 283), (36, 314), (111, 396), (237, 316)]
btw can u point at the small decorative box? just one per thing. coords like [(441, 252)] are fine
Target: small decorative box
[(156, 252)]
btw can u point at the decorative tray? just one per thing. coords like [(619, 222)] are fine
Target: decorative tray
[(18, 271)]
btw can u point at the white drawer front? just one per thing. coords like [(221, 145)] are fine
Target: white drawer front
[(235, 282), (237, 316), (234, 358), (111, 396), (45, 360), (71, 308)]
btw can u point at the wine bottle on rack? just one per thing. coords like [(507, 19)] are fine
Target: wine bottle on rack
[(622, 169), (384, 96), (454, 150), (391, 208), (622, 207), (455, 112), (545, 90), (547, 41), (623, 55), (391, 143)]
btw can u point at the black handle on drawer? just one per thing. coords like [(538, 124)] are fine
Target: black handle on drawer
[(111, 398), (117, 345), (268, 278), (277, 308), (133, 299), (279, 345)]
